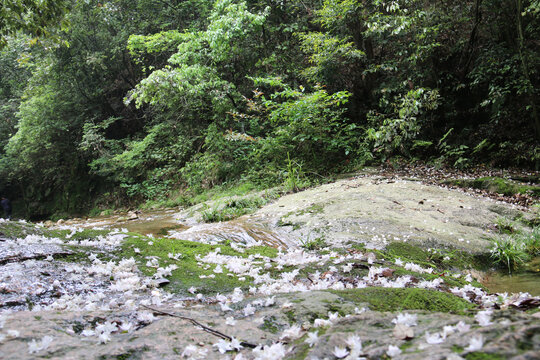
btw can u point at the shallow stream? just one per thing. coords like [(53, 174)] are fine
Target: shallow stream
[(156, 222), (526, 280)]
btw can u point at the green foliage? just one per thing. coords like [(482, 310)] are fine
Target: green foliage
[(531, 241), (478, 355), (398, 129), (514, 247), (135, 101), (193, 80), (508, 252), (309, 125), (498, 185), (31, 16), (293, 175), (233, 209), (314, 244)]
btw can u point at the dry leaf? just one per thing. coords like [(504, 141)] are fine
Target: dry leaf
[(387, 272)]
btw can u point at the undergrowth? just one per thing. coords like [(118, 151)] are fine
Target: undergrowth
[(514, 245), (233, 209)]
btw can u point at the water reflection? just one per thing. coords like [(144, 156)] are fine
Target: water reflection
[(527, 280)]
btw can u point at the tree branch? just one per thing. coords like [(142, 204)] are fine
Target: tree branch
[(205, 328)]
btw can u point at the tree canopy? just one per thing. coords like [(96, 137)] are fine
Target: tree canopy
[(138, 98)]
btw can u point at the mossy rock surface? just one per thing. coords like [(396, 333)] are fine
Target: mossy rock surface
[(497, 185), (16, 229), (189, 273), (441, 259), (389, 299)]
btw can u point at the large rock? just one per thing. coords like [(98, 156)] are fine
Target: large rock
[(377, 211), (167, 337)]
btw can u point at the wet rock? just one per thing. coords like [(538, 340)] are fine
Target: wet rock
[(238, 231), (13, 252)]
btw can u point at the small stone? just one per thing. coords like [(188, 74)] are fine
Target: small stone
[(403, 332), (162, 282), (388, 272)]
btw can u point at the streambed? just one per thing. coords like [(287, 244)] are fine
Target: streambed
[(344, 290)]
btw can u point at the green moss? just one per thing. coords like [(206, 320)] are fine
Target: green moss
[(301, 349), (441, 259), (388, 299), (497, 185), (270, 324), (131, 354), (312, 209), (15, 229), (291, 317), (334, 308), (406, 345), (188, 272), (477, 355)]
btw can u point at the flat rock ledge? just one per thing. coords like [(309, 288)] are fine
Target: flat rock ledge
[(512, 334)]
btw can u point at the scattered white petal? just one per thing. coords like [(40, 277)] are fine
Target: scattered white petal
[(312, 339), (393, 351), (434, 339), (462, 326), (322, 323), (37, 346), (223, 346), (88, 332), (249, 310), (476, 343), (189, 351), (340, 353), (104, 338), (354, 342), (275, 351), (146, 317), (13, 333), (291, 333), (405, 319), (484, 317), (235, 344), (230, 321)]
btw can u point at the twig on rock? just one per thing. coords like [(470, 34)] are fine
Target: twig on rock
[(205, 328)]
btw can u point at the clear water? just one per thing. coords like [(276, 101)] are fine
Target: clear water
[(526, 280)]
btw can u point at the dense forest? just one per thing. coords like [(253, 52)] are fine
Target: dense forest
[(116, 102)]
